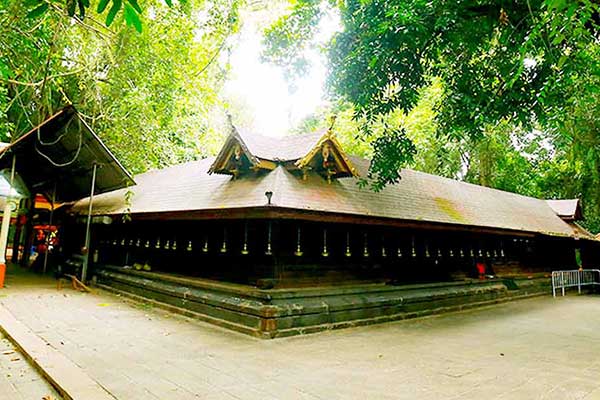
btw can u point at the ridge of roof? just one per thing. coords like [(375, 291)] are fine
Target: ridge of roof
[(277, 174), (199, 162)]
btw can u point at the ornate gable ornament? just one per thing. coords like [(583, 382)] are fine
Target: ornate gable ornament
[(327, 158), (235, 158)]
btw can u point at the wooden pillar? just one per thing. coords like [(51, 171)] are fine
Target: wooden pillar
[(17, 240), (6, 216), (28, 232), (277, 265)]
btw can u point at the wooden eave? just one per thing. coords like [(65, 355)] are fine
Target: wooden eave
[(338, 153), (274, 212)]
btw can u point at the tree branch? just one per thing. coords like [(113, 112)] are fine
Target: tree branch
[(41, 82)]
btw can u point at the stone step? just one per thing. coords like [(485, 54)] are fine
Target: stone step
[(68, 379)]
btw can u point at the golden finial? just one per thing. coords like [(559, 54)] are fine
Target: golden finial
[(332, 119)]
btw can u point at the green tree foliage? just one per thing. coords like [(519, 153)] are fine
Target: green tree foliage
[(150, 95), (503, 94), (130, 9), (498, 60), (290, 36)]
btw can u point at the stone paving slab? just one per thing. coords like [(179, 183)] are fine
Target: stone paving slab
[(18, 379), (541, 348), (70, 380)]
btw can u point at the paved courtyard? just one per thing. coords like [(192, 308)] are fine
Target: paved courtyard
[(18, 379), (541, 348)]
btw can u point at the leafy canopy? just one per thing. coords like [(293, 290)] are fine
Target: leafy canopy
[(130, 9), (498, 60), (151, 96)]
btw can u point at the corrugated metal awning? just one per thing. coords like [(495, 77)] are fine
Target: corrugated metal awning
[(62, 151)]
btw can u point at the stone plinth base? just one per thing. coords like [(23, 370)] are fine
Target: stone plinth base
[(271, 313)]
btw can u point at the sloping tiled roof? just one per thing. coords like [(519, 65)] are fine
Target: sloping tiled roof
[(567, 209), (417, 197), (184, 187)]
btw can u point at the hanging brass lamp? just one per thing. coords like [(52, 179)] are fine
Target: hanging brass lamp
[(325, 252), (245, 245)]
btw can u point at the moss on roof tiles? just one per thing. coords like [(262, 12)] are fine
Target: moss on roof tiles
[(448, 208)]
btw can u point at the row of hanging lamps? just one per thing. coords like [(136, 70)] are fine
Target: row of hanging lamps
[(348, 250), (427, 252), (245, 249), (452, 253)]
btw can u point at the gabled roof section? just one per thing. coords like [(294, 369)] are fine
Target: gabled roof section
[(568, 210), (59, 155), (328, 158), (233, 155), (245, 151)]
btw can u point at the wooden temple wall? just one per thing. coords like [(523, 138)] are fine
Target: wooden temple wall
[(300, 253), (320, 275)]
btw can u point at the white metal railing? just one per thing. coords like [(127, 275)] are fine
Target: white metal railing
[(574, 278)]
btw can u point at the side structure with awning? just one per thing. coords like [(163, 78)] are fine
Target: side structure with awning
[(63, 159)]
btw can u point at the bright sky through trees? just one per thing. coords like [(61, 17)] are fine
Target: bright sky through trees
[(261, 86)]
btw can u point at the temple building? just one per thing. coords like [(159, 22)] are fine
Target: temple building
[(275, 236)]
